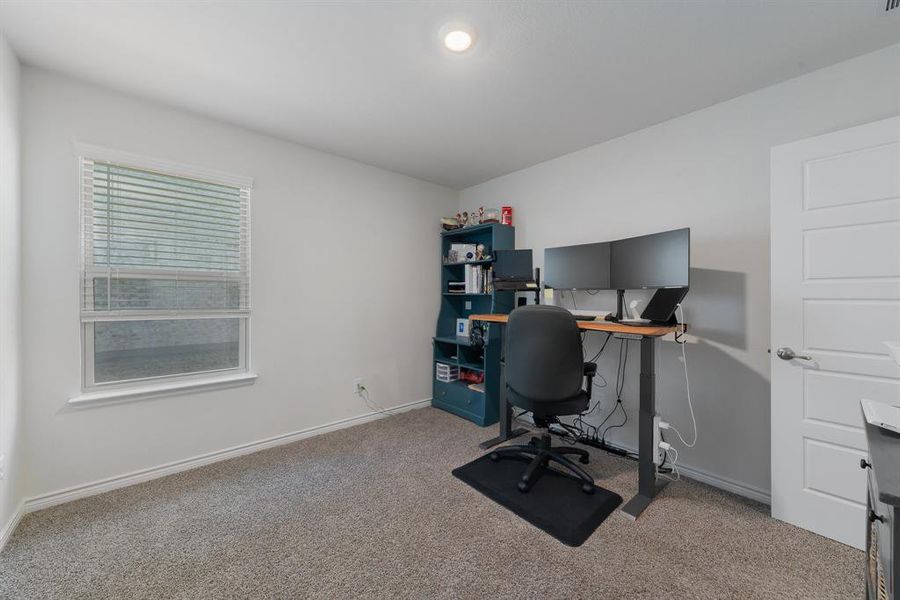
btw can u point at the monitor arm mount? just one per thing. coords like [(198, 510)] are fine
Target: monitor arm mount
[(620, 306)]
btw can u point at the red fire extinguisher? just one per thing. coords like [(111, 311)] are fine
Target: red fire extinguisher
[(506, 215)]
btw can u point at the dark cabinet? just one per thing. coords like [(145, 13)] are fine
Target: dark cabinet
[(883, 507)]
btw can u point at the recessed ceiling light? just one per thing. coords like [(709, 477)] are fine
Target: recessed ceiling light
[(458, 39)]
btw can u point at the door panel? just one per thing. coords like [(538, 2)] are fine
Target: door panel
[(855, 251), (864, 175), (830, 397), (835, 251), (851, 325), (830, 467)]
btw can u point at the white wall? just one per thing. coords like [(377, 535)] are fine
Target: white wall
[(709, 171), (11, 421), (344, 285)]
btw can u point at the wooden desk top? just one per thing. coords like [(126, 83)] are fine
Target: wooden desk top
[(598, 325)]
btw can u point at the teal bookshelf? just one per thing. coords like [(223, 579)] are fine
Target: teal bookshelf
[(456, 397)]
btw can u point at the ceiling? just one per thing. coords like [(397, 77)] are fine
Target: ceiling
[(371, 81)]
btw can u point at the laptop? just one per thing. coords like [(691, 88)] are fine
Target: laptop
[(513, 271), (882, 415)]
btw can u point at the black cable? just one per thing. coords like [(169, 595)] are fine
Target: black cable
[(602, 348), (620, 387), (579, 420), (623, 364), (609, 416), (594, 443), (622, 424)]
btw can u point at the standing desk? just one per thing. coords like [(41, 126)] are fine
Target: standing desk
[(648, 483)]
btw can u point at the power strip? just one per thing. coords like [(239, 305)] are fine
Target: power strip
[(657, 439), (606, 446)]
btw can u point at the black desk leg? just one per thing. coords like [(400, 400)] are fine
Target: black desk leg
[(648, 485), (505, 410)]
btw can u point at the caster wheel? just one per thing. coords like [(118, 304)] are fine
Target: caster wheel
[(587, 488), (584, 460), (495, 457), (523, 487)]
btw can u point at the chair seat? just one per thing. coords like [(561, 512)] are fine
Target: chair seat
[(575, 405)]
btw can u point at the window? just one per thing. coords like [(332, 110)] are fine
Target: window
[(165, 282)]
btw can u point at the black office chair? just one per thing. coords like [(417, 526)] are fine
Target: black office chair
[(544, 371)]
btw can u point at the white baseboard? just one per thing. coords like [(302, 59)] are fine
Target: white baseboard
[(729, 485), (120, 481), (11, 525), (717, 481)]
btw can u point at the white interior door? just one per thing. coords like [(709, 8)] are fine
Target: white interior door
[(835, 299)]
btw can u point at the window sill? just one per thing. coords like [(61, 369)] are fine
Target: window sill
[(159, 389)]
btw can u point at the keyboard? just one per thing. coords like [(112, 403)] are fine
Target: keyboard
[(585, 317)]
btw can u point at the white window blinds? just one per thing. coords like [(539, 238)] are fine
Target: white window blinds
[(156, 245)]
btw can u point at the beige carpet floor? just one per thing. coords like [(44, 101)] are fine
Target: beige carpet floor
[(373, 512)]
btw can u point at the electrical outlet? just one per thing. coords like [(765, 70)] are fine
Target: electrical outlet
[(468, 305), (657, 438), (359, 385)]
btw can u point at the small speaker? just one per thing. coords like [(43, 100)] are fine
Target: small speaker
[(522, 301)]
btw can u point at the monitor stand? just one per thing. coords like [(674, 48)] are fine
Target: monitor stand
[(620, 307)]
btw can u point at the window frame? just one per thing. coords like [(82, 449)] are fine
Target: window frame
[(145, 386)]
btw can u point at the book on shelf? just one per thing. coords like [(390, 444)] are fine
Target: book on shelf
[(456, 287), (479, 280)]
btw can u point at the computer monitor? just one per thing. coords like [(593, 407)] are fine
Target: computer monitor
[(582, 267), (658, 260), (513, 265)]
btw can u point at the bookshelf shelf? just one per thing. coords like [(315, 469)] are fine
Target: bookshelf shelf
[(456, 397), (471, 366), (464, 294), (486, 261), (473, 229), (452, 339)]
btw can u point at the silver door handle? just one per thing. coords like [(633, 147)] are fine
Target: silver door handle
[(787, 353)]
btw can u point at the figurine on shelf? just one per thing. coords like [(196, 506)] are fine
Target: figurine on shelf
[(462, 219), (449, 223), (491, 215), (479, 252)]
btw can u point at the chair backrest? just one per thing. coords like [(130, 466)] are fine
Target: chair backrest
[(544, 359)]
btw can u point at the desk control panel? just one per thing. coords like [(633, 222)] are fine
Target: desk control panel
[(627, 336)]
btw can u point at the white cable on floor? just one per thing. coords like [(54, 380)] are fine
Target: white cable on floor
[(673, 465), (687, 382)]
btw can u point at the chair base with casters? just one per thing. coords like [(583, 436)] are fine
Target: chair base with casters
[(542, 454)]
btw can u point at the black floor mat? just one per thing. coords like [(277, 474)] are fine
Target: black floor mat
[(555, 504)]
